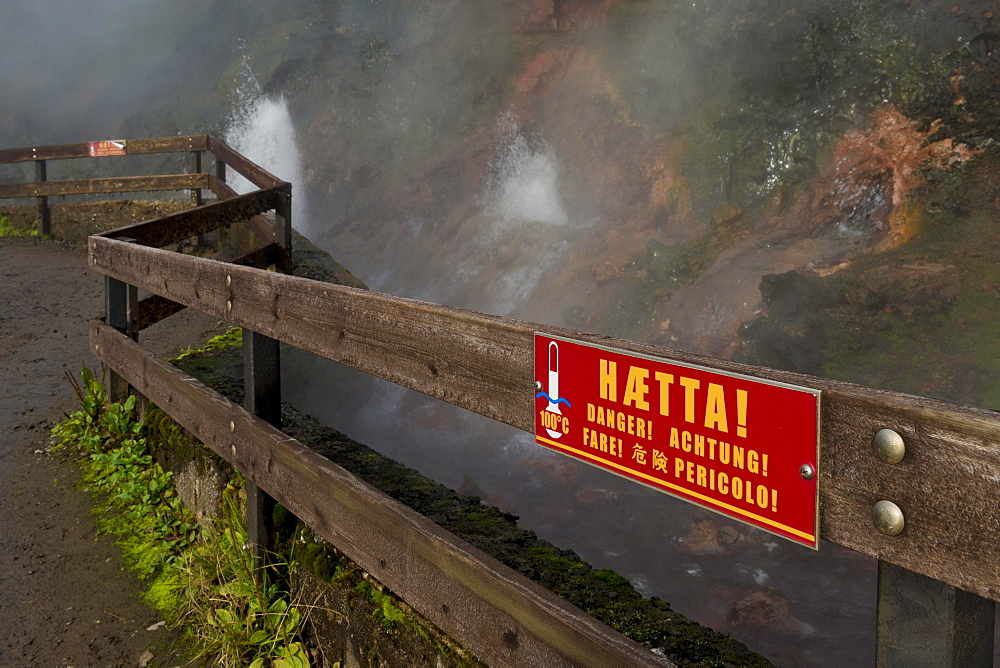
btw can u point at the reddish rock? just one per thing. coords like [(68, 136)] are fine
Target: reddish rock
[(582, 14), (766, 607), (873, 170), (536, 73), (703, 538), (535, 15)]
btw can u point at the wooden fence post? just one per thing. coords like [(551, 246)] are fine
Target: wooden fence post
[(262, 397), (196, 169), (925, 622), (221, 234), (44, 215), (283, 231), (120, 309)]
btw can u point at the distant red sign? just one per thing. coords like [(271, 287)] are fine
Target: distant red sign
[(730, 443), (100, 149)]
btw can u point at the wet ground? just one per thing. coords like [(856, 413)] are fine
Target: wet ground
[(64, 600)]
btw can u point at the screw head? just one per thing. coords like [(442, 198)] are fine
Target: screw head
[(232, 449), (888, 518), (889, 446), (229, 281), (807, 471), (538, 386), (229, 305), (232, 426)]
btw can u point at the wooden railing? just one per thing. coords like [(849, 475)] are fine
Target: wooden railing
[(938, 579)]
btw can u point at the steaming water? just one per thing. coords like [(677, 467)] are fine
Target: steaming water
[(261, 128), (524, 180), (492, 259)]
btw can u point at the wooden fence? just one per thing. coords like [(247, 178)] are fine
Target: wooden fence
[(938, 579)]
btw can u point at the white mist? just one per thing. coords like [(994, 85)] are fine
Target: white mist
[(261, 128)]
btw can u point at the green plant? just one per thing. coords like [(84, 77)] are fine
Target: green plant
[(200, 577), (82, 428), (238, 616), (9, 230)]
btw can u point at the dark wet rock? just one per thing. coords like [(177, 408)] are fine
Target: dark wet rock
[(913, 291), (793, 293), (792, 334), (767, 609), (314, 263)]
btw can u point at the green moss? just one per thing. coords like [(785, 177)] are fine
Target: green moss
[(233, 338), (606, 595), (8, 229)]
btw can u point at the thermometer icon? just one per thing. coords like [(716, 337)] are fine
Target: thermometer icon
[(553, 386)]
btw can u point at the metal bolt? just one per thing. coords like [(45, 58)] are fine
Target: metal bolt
[(232, 449), (232, 426), (229, 305), (888, 518), (538, 386), (889, 446), (807, 471), (229, 281)]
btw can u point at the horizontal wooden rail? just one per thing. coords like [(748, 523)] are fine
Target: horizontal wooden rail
[(118, 184), (184, 224), (155, 308), (82, 150), (500, 615), (947, 484), (263, 230), (254, 174)]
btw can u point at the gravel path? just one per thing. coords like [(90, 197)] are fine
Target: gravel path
[(64, 600)]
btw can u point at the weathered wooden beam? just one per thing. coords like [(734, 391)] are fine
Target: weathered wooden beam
[(924, 622), (196, 169), (117, 184), (155, 308), (120, 311), (283, 232), (485, 364), (253, 173), (262, 397), (263, 231), (82, 149), (44, 214), (184, 224), (498, 614)]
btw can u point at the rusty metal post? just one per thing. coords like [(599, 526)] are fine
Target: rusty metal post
[(196, 169), (925, 622), (262, 397), (44, 215), (120, 308)]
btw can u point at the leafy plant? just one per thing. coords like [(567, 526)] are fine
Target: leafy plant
[(200, 577), (9, 230), (238, 616)]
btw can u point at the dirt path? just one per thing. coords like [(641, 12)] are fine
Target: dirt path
[(64, 600)]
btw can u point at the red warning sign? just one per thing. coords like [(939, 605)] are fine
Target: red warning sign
[(745, 447), (100, 149)]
